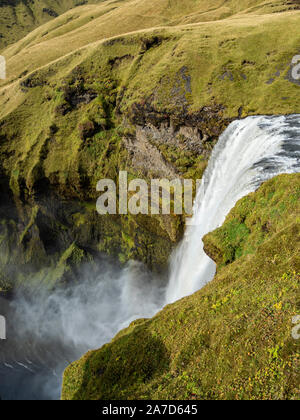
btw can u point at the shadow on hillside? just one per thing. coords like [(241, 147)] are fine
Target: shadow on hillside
[(119, 368)]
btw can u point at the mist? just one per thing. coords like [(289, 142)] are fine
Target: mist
[(47, 330)]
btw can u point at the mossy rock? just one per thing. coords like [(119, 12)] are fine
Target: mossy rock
[(255, 218)]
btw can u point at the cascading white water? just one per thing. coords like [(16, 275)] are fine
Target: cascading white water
[(52, 330), (249, 152)]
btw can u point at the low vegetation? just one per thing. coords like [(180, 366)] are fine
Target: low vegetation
[(86, 95), (95, 87), (231, 340)]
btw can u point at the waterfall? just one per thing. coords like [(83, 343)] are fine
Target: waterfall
[(48, 331), (249, 152)]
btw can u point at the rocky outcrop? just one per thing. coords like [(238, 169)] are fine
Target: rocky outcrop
[(243, 316), (191, 129), (152, 103), (158, 142), (52, 217), (145, 156)]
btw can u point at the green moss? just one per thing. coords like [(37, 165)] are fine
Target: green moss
[(255, 218), (21, 17), (72, 256), (30, 223), (232, 339), (63, 122), (114, 364)]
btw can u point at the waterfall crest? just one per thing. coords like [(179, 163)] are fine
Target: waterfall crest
[(249, 152)]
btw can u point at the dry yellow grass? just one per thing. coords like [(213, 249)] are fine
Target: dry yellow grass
[(85, 25)]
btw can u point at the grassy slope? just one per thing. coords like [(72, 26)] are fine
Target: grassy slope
[(28, 106), (230, 52), (250, 43), (19, 17), (231, 340), (254, 219), (252, 46)]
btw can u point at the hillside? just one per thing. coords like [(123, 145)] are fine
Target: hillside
[(96, 87), (19, 17), (97, 90), (231, 340), (87, 24)]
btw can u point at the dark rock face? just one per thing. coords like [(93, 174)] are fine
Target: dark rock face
[(53, 225), (73, 96), (159, 135), (86, 129), (205, 125), (37, 236), (50, 12), (49, 225), (32, 82)]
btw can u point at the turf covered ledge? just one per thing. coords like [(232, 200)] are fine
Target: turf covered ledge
[(232, 339)]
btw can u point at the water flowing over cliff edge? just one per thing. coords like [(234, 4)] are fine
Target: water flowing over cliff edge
[(88, 315), (249, 152)]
